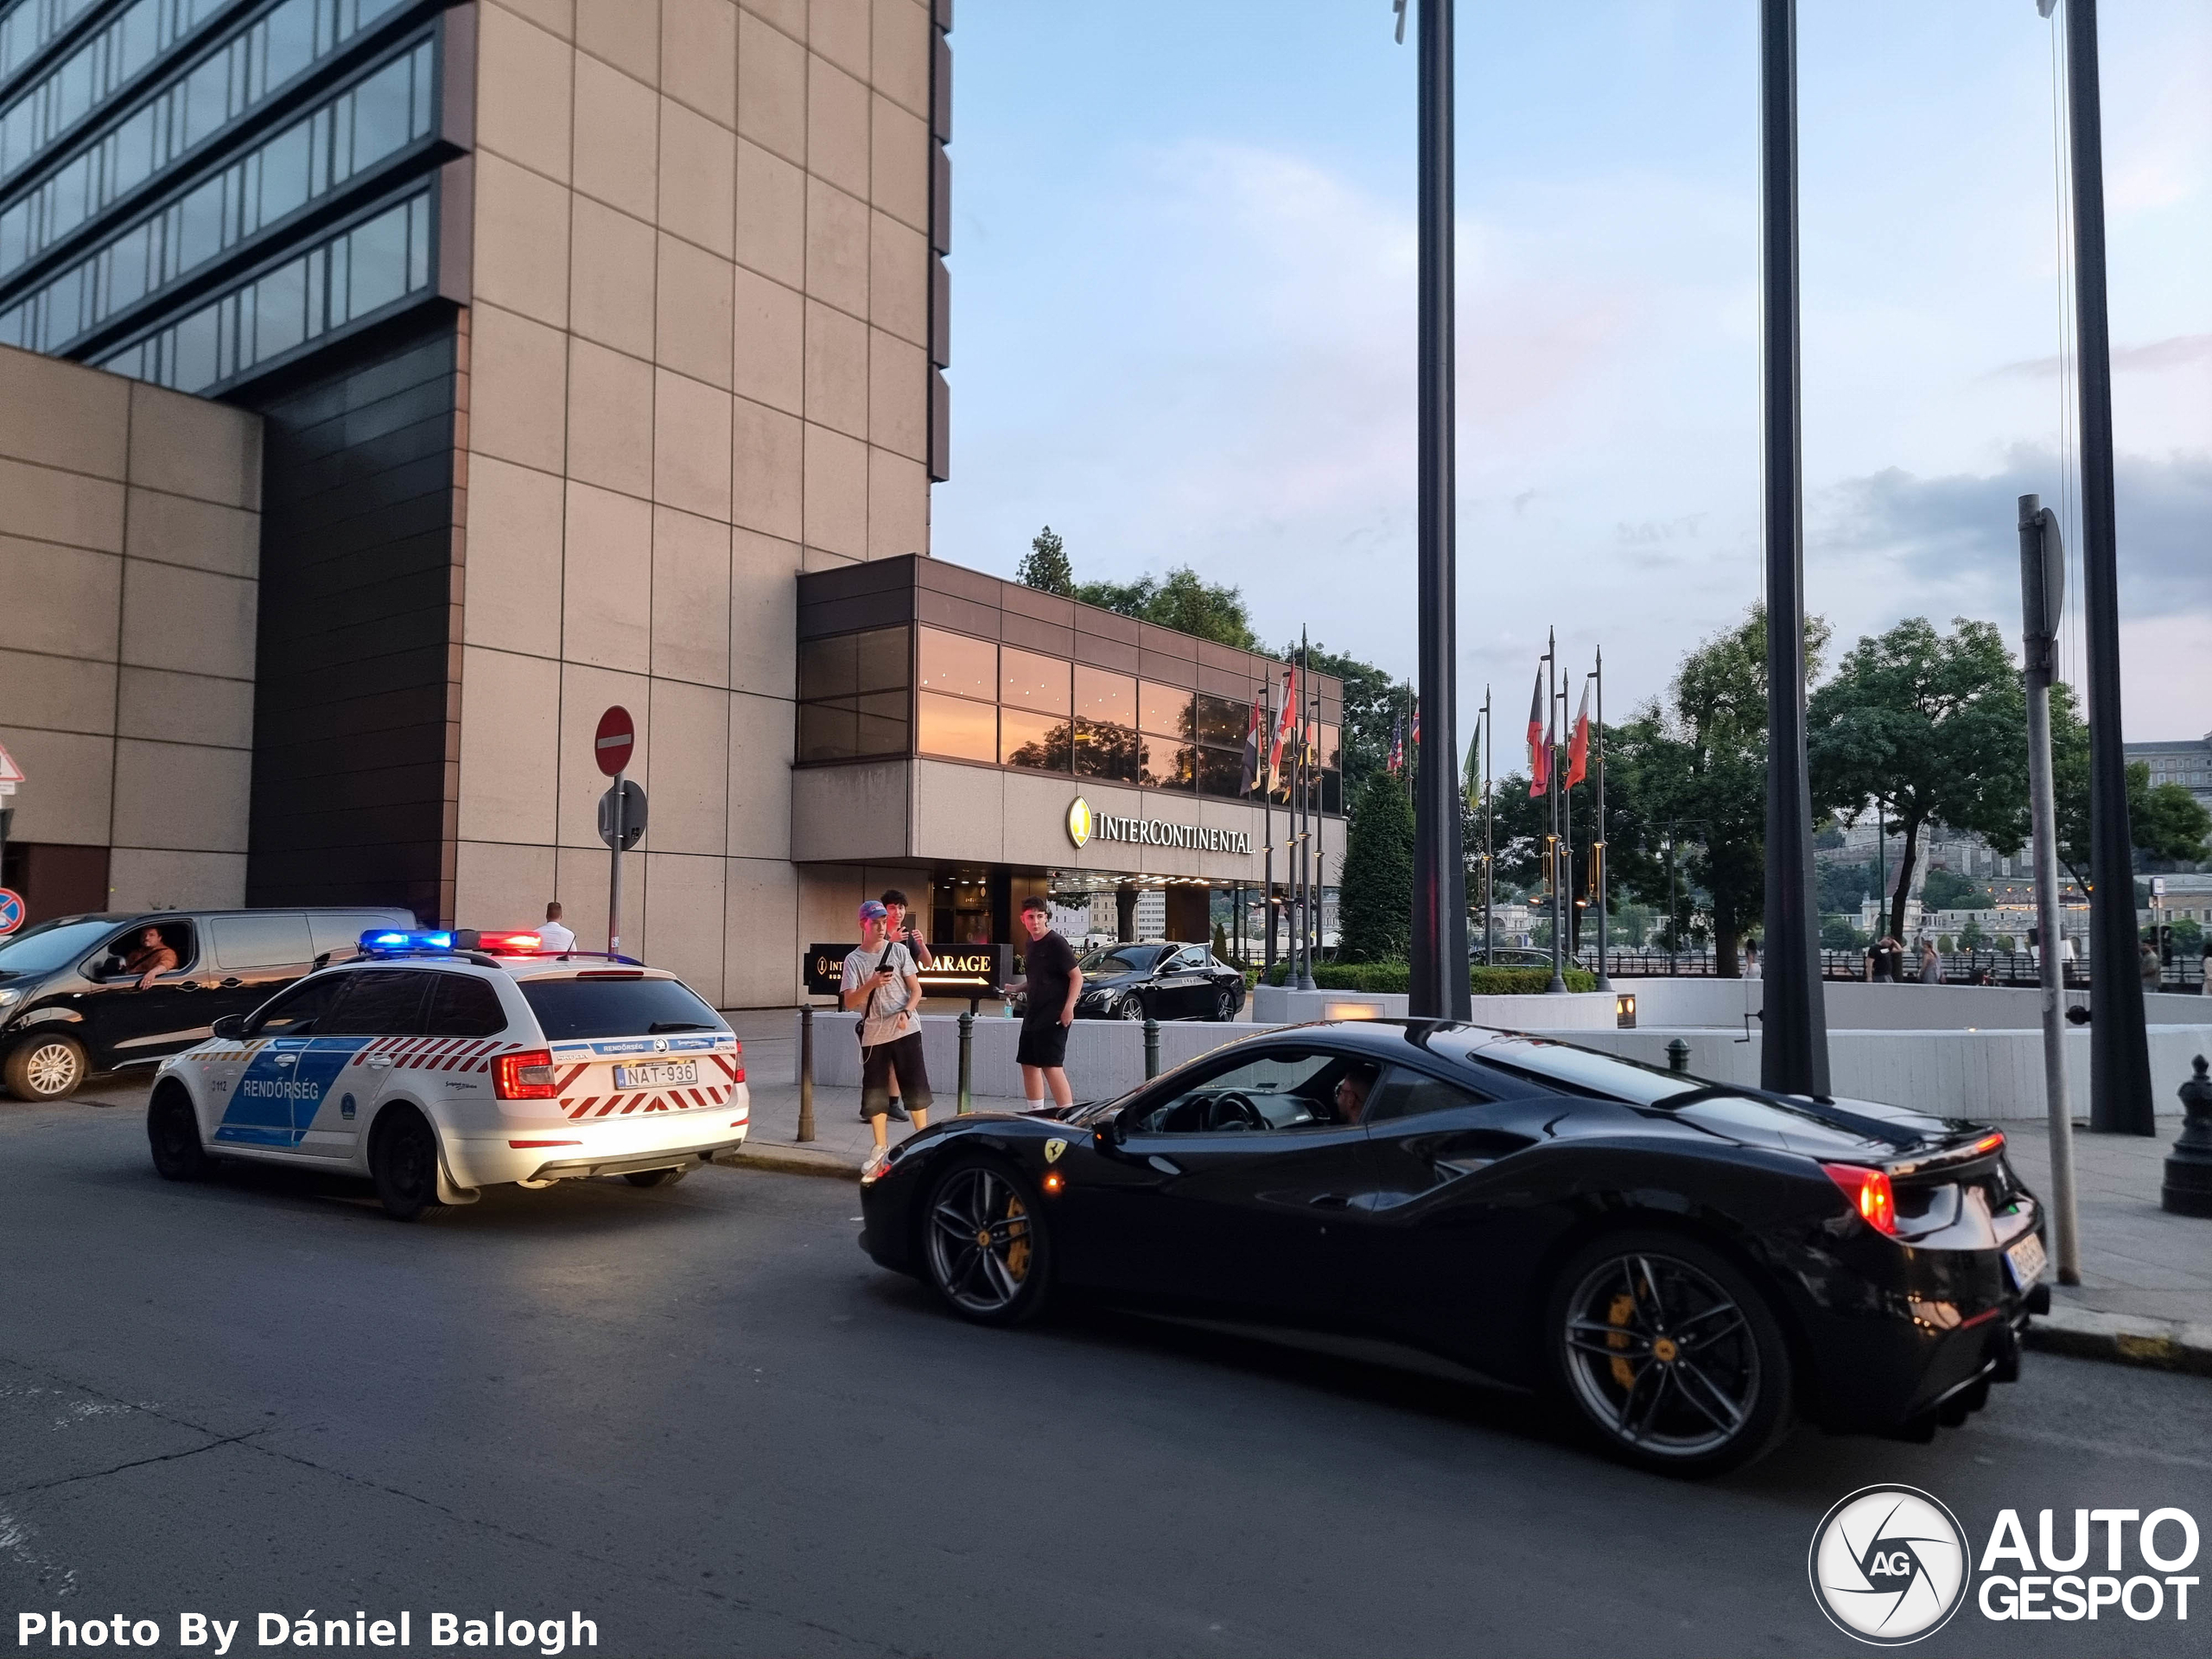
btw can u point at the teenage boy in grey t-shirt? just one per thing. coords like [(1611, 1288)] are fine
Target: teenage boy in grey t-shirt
[(881, 984)]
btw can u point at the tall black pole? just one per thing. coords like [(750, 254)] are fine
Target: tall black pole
[(1598, 884), (1565, 865), (1268, 834), (1439, 985), (1489, 871), (2119, 1059), (1794, 1050), (1558, 986)]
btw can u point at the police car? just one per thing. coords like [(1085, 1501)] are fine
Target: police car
[(438, 1063)]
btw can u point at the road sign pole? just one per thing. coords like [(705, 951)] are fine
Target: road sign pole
[(614, 877)]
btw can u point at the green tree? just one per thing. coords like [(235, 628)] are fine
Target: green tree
[(1948, 890), (2166, 823), (1376, 900), (1838, 934), (1842, 886), (1933, 728), (1184, 601), (1372, 701), (1694, 764), (1046, 566), (1971, 937)]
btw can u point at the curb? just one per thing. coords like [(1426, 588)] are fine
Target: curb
[(796, 1161), (2126, 1339)]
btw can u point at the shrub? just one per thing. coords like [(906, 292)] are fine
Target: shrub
[(1393, 978), (2004, 942), (1944, 944)]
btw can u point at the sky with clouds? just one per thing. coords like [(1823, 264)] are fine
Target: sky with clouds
[(1183, 330)]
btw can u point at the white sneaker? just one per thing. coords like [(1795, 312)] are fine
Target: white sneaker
[(877, 1158)]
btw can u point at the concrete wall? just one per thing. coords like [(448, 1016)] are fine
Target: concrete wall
[(129, 538), (1883, 1007), (698, 334)]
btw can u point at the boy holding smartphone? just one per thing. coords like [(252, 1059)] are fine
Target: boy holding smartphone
[(881, 983)]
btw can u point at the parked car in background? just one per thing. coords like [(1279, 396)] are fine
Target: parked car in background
[(1156, 980), (68, 1007)]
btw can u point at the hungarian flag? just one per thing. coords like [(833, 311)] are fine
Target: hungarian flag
[(1578, 744), (1255, 733), (1540, 748), (1285, 723)]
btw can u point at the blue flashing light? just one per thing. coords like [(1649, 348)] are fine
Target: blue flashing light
[(413, 939)]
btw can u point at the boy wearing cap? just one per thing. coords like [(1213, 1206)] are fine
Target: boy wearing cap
[(882, 985)]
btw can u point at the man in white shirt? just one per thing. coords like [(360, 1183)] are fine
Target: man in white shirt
[(553, 937)]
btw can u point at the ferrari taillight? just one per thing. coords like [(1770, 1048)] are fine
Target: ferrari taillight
[(1868, 1191), (524, 1075)]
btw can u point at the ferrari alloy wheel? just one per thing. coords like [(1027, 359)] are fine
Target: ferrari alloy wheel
[(1672, 1356), (46, 1068), (986, 1244)]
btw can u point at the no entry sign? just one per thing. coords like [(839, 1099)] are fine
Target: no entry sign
[(612, 743)]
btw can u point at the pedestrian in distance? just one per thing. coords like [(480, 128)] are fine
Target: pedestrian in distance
[(894, 903), (881, 983), (2154, 970), (1053, 984), (555, 936), (1931, 965), (2204, 985), (1750, 958)]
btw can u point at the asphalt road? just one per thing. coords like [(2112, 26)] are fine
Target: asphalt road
[(703, 1419)]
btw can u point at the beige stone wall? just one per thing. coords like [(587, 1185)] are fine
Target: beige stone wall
[(130, 538), (698, 342)]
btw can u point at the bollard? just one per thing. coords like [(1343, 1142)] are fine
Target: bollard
[(1151, 1048), (1678, 1056), (2187, 1189), (968, 1060), (805, 1072)]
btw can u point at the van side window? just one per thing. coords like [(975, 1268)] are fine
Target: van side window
[(176, 936), (273, 940)]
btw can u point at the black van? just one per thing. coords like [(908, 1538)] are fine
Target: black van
[(69, 1008)]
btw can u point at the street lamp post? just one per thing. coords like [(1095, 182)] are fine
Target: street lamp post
[(1597, 849), (1438, 983), (1794, 1050), (2119, 1059)]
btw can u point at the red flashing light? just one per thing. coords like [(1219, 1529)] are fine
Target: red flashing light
[(526, 1074), (1868, 1193), (509, 944)]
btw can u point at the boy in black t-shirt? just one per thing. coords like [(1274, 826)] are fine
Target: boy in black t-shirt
[(1054, 982)]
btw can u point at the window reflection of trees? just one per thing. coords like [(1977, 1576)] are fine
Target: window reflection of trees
[(1106, 748)]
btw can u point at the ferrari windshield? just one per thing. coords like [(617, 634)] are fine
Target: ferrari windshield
[(1119, 961)]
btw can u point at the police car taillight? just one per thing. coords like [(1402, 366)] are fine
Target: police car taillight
[(527, 1075)]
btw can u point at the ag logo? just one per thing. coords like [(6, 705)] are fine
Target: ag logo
[(1079, 821), (1053, 1149), (1888, 1565)]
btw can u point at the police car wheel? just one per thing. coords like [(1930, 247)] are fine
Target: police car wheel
[(1670, 1354), (403, 1160), (173, 1133), (655, 1176), (45, 1068)]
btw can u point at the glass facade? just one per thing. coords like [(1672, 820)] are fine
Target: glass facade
[(980, 701), (153, 221)]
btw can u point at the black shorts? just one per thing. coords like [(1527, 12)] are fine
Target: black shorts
[(879, 1064), (1043, 1042)]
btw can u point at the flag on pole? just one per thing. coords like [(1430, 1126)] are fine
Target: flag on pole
[(1540, 755), (1578, 746), (1397, 747), (1284, 725), (1416, 725), (1255, 734), (1471, 777)]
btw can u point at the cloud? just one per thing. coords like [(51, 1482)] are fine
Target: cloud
[(1956, 536), (2177, 353)]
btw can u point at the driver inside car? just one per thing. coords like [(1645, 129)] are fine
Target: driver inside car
[(146, 960), (1352, 1090)]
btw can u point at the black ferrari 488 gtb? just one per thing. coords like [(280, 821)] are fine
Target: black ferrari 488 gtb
[(1693, 1266)]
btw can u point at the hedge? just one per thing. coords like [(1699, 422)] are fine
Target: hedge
[(1395, 978)]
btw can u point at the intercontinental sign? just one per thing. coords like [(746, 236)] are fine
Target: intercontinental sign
[(1086, 826)]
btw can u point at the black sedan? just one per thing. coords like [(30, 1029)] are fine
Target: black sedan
[(1693, 1266), (1158, 982)]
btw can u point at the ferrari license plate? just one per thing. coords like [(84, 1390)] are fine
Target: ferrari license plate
[(2026, 1259), (664, 1074)]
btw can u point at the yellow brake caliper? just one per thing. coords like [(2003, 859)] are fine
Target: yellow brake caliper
[(1621, 1310), (1017, 1249)]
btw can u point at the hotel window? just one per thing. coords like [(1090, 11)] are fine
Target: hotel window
[(1036, 724), (955, 704), (852, 696), (1219, 761), (1105, 725), (1166, 759)]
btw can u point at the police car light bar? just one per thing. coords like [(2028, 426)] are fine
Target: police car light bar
[(392, 938)]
